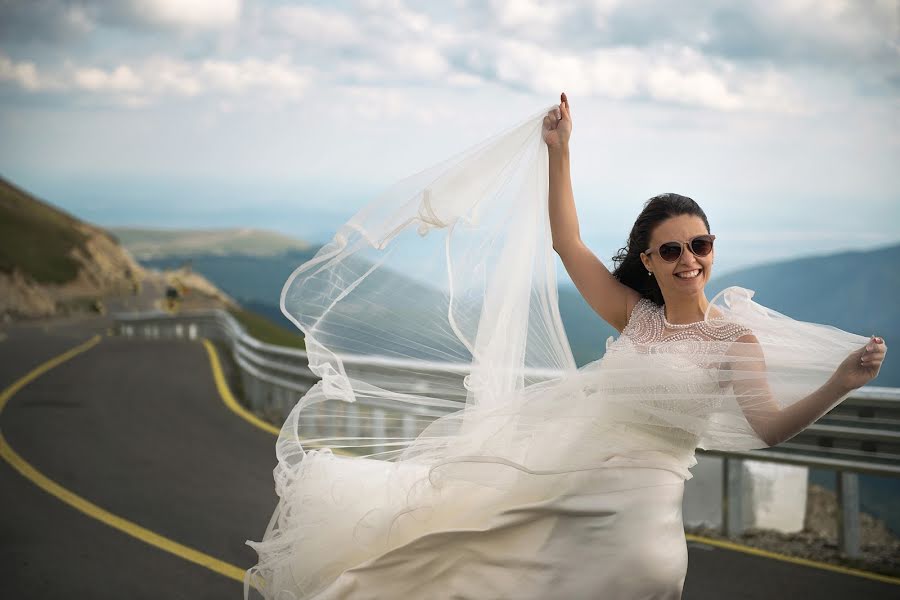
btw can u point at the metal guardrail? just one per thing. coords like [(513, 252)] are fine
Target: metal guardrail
[(860, 435)]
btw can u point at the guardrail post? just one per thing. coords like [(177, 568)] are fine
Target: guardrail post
[(245, 386), (409, 426), (332, 418), (848, 512), (353, 428), (378, 431), (284, 402), (732, 496)]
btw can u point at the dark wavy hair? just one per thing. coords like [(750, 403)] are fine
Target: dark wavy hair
[(629, 268)]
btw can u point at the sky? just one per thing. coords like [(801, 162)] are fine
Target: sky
[(781, 119)]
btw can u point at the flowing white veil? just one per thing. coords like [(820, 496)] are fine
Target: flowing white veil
[(432, 320)]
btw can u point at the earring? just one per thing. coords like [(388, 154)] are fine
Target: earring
[(649, 273)]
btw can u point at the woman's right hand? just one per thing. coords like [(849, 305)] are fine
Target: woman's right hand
[(558, 125)]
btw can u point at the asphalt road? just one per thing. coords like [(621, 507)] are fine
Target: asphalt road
[(139, 429)]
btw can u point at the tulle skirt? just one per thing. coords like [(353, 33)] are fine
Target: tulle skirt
[(613, 532)]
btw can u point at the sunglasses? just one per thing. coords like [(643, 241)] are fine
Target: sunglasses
[(700, 245)]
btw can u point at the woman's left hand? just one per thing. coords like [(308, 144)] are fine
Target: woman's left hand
[(861, 366)]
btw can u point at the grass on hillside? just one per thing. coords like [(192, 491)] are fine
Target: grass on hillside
[(36, 238), (266, 331)]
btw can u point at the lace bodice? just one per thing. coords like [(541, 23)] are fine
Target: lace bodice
[(648, 326), (683, 382)]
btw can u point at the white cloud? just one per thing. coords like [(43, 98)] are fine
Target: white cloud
[(417, 60), (395, 17), (170, 76), (320, 26), (120, 79), (143, 82), (721, 57), (669, 74), (279, 76), (532, 14), (77, 19), (187, 13), (22, 73), (378, 103)]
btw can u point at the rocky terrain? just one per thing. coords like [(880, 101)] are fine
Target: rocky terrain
[(53, 264), (819, 538)]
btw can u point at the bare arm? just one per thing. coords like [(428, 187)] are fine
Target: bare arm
[(609, 298), (770, 422)]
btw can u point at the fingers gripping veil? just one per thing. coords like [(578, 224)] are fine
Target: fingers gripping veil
[(449, 391)]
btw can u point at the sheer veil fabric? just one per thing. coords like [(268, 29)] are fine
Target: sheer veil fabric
[(449, 400)]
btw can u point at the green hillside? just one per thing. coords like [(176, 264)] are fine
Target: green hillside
[(265, 330), (37, 238)]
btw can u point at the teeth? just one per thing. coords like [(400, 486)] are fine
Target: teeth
[(688, 274)]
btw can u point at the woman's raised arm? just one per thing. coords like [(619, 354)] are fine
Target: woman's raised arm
[(609, 298)]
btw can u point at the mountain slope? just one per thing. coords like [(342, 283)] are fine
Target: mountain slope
[(49, 258)]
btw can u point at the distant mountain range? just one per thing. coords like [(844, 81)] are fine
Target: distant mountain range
[(855, 291), (161, 243)]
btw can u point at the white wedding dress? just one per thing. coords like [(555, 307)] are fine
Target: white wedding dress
[(532, 478)]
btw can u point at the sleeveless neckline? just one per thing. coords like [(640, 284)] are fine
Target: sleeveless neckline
[(662, 313)]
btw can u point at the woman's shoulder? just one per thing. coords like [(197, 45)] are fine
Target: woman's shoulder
[(641, 310)]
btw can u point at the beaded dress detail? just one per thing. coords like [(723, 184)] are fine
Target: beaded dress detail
[(689, 385)]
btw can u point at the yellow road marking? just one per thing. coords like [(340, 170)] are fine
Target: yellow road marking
[(44, 367), (115, 521), (87, 507), (228, 398), (235, 406), (793, 559)]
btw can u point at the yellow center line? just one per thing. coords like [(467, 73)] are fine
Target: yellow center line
[(228, 398), (9, 392), (792, 559), (235, 406), (89, 508)]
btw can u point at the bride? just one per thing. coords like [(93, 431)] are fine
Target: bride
[(453, 449)]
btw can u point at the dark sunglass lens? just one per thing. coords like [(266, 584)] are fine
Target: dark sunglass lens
[(670, 251), (702, 246)]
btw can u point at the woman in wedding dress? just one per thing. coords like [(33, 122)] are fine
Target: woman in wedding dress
[(453, 449)]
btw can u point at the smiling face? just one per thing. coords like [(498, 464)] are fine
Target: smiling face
[(680, 228)]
